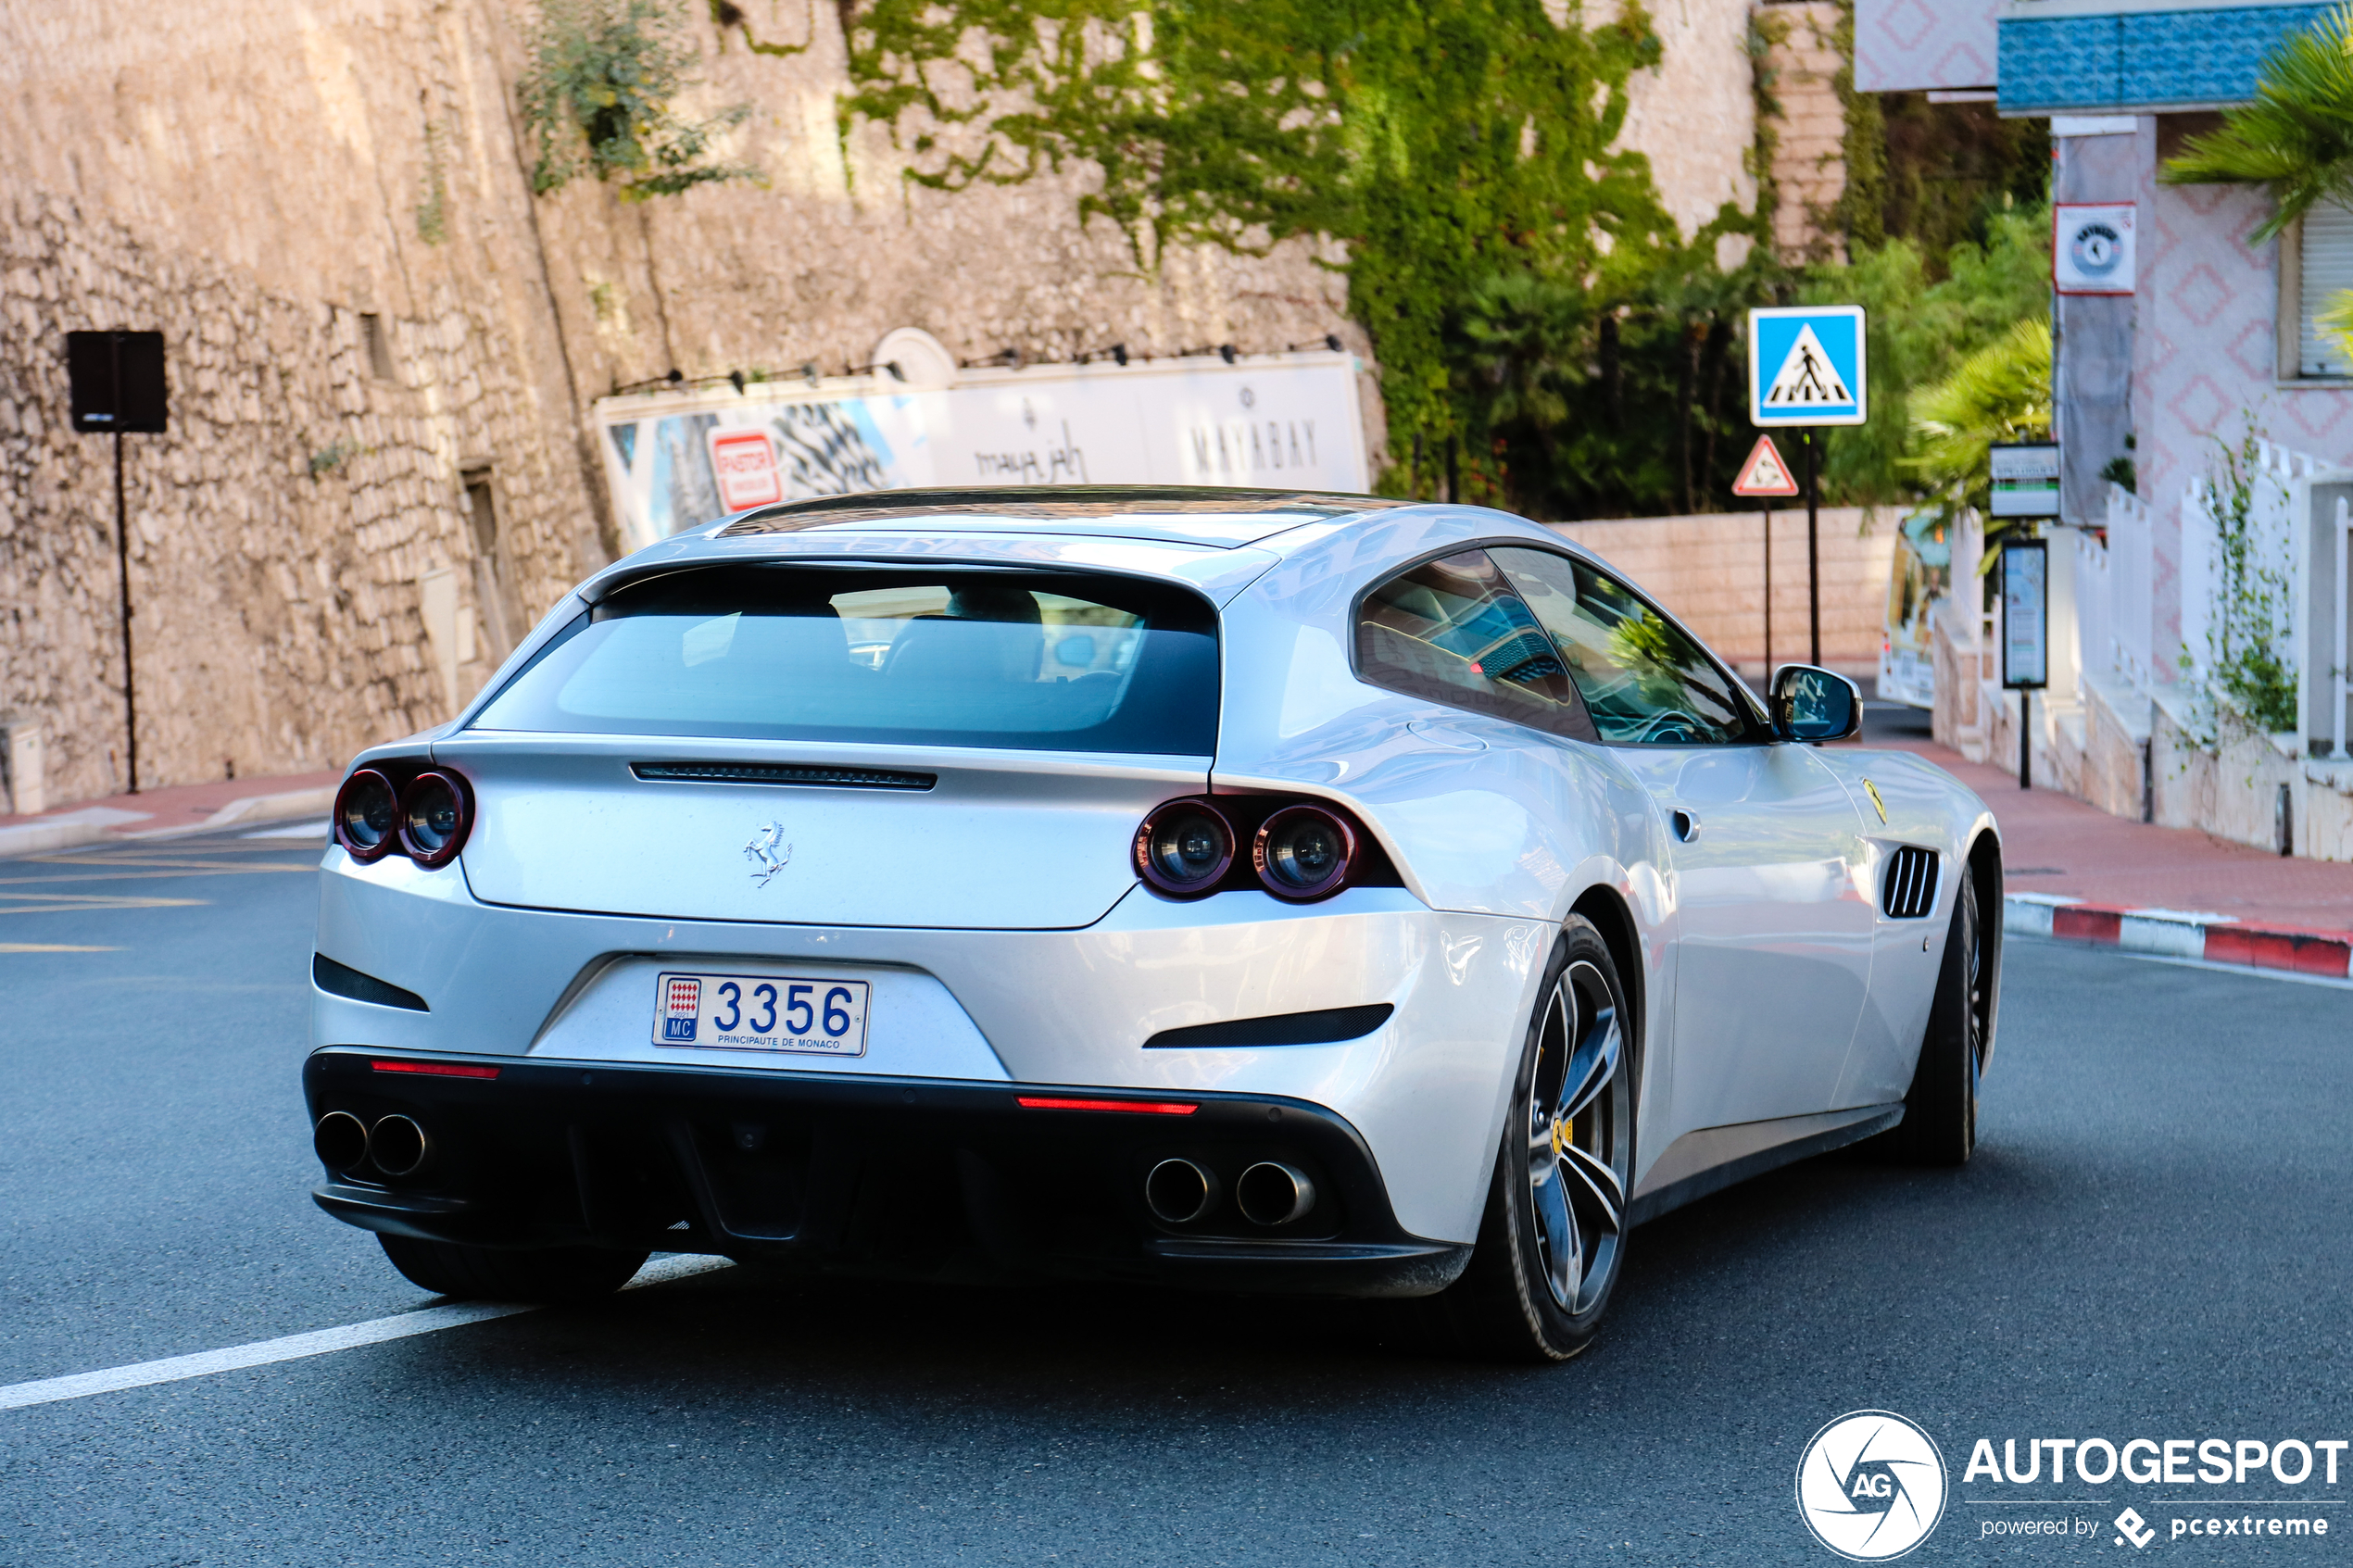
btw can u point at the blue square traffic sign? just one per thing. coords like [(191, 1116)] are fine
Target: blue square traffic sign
[(1805, 366)]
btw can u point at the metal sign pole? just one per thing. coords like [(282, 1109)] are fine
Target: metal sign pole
[(122, 569), (1769, 593), (1813, 557), (118, 388)]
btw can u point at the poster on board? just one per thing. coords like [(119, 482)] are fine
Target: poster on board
[(2026, 615), (678, 459)]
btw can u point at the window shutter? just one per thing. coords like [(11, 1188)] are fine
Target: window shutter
[(2327, 272)]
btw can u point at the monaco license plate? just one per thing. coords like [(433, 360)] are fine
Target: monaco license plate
[(761, 1012)]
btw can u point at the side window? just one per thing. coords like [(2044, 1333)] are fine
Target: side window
[(1644, 681), (1453, 632)]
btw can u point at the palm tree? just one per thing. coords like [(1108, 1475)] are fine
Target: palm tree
[(2297, 136), (1998, 394)]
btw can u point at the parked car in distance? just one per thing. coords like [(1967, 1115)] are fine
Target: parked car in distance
[(1238, 889)]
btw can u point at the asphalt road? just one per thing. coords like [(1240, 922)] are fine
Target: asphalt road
[(2151, 1242)]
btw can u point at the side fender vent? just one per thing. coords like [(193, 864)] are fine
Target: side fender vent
[(1910, 890)]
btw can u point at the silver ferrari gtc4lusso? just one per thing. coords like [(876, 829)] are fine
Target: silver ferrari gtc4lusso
[(1236, 889)]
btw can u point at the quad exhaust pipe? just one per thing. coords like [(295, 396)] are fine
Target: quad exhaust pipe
[(340, 1140), (1178, 1192), (1273, 1194), (1269, 1194), (396, 1145)]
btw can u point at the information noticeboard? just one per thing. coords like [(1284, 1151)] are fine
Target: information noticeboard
[(2026, 615), (2026, 480)]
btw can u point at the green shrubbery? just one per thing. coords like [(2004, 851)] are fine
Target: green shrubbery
[(599, 97), (1542, 327)]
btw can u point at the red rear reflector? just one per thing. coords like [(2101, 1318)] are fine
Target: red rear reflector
[(435, 1069), (1140, 1107)]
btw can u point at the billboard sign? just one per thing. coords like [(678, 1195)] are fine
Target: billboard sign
[(678, 459)]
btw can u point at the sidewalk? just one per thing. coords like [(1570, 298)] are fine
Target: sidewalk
[(170, 812), (2073, 871)]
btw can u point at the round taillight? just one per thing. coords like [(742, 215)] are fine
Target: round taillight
[(433, 819), (367, 816), (1185, 847), (1303, 852)]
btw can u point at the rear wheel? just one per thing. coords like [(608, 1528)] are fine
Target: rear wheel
[(1553, 1236), (1940, 1112), (554, 1273)]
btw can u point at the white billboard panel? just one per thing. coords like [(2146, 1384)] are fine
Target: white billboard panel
[(1287, 423)]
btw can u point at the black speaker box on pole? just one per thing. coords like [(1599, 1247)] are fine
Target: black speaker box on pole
[(117, 389)]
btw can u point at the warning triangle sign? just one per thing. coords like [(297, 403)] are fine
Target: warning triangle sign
[(1806, 379), (1765, 473)]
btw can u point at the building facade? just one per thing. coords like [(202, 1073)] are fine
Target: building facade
[(2214, 341)]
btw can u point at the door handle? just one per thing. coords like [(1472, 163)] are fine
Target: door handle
[(1686, 824)]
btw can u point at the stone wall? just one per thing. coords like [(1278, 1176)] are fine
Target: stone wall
[(383, 347), (1708, 572), (1809, 153)]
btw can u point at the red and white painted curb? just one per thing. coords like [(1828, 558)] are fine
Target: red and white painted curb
[(2182, 934)]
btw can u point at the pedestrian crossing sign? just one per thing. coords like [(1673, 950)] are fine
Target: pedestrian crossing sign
[(1805, 366)]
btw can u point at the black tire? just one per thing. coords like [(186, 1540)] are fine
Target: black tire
[(1940, 1109), (1551, 1242), (486, 1273)]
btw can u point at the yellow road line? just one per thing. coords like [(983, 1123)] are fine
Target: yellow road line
[(150, 876), (69, 903)]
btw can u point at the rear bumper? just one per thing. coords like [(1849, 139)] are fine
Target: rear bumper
[(914, 1178)]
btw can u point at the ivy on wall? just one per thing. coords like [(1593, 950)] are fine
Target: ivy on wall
[(1461, 150), (598, 97)]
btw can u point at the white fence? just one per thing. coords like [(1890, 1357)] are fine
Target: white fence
[(2119, 632)]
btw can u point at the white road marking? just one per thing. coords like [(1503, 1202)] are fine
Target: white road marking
[(51, 947), (295, 830), (319, 1342)]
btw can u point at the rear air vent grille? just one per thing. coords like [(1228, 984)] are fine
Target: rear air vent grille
[(782, 773), (1910, 892)]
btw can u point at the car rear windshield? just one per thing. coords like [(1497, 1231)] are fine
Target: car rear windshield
[(934, 656)]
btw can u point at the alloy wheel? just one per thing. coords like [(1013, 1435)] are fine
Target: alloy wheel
[(1579, 1138)]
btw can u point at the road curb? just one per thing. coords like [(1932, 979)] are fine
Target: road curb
[(2182, 934), (72, 830)]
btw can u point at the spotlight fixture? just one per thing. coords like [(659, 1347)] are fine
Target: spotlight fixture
[(809, 371), (674, 376)]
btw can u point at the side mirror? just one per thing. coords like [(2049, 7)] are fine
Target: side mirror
[(1812, 703)]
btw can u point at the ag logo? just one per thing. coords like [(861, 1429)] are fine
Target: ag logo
[(1871, 1485)]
